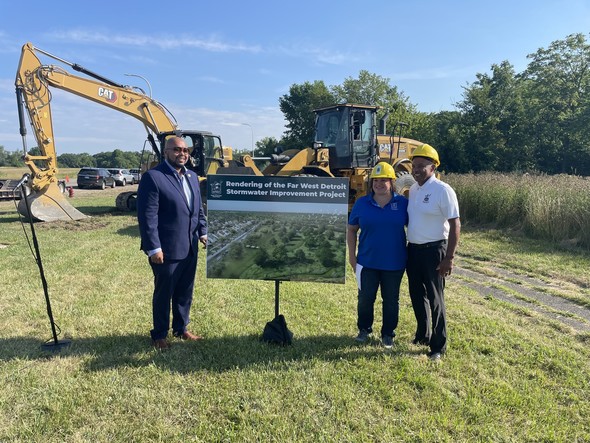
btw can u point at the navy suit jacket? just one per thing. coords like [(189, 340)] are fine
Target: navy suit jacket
[(165, 219)]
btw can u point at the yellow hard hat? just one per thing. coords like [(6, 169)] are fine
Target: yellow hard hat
[(383, 170), (428, 152)]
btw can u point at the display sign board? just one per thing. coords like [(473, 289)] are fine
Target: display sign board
[(277, 228)]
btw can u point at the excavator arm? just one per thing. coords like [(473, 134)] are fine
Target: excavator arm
[(34, 83)]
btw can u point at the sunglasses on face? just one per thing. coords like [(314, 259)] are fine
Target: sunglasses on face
[(178, 150)]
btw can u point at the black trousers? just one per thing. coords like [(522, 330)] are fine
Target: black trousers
[(389, 281), (427, 293)]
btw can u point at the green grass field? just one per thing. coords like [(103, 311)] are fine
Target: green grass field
[(510, 375)]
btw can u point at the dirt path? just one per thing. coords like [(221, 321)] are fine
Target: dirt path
[(530, 293)]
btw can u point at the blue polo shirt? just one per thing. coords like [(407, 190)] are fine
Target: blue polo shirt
[(382, 239)]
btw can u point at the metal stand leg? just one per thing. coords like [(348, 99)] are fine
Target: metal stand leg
[(57, 344), (277, 283)]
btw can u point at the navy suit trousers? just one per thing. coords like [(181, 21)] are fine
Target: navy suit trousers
[(174, 282)]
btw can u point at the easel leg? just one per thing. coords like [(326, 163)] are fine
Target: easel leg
[(277, 283)]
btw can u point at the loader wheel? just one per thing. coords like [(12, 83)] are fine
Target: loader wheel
[(402, 166), (403, 182)]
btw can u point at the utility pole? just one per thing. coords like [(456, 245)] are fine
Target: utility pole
[(252, 132)]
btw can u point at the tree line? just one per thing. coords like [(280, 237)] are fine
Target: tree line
[(112, 159), (537, 120)]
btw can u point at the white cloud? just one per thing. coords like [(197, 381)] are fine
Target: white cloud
[(318, 55), (211, 79), (211, 43), (435, 73)]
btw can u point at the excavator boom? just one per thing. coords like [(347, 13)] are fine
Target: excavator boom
[(34, 84)]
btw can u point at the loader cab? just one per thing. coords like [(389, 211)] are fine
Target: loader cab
[(349, 132)]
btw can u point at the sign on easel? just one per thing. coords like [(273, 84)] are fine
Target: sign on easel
[(277, 228)]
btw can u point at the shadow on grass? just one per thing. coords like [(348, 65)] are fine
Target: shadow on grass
[(129, 231), (11, 219), (86, 210), (217, 354), (97, 210)]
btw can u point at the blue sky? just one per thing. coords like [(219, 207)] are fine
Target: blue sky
[(222, 66)]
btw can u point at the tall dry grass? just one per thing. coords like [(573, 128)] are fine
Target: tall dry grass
[(554, 208)]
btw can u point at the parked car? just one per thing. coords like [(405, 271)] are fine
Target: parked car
[(122, 176), (95, 178), (136, 174)]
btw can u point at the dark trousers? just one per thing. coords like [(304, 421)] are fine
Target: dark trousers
[(389, 281), (174, 282), (427, 294)]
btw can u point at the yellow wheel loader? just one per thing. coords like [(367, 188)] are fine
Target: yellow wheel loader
[(348, 143)]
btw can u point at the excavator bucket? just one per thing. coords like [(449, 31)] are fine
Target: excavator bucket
[(49, 204)]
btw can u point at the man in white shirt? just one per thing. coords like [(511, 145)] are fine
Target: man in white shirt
[(433, 234)]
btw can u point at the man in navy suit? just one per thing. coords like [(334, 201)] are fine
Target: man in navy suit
[(171, 223)]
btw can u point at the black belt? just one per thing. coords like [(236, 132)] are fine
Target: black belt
[(432, 244)]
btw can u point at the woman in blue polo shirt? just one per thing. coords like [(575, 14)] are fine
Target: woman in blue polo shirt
[(381, 217)]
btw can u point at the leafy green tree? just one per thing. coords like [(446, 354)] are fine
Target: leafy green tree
[(35, 151), (117, 159), (558, 84), (298, 106), (262, 258), (279, 253), (237, 251), (445, 132), (266, 146), (3, 156), (326, 256), (493, 119), (300, 256), (75, 160), (372, 89), (8, 158)]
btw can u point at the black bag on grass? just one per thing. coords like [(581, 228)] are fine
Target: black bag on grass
[(277, 332)]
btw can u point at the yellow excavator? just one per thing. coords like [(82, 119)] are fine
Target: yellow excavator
[(34, 83)]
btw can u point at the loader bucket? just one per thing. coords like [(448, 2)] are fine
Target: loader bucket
[(49, 204)]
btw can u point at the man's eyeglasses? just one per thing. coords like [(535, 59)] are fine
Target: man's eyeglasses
[(178, 150)]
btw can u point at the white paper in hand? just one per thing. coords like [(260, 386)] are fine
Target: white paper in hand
[(358, 271)]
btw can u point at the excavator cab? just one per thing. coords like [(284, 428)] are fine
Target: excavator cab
[(349, 133), (205, 148)]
